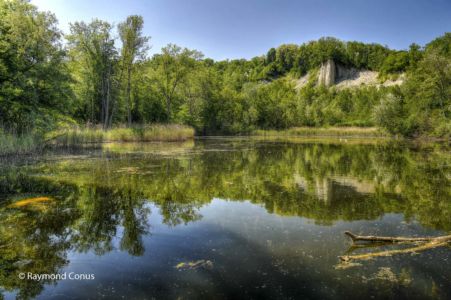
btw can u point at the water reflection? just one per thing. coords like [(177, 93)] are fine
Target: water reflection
[(103, 201)]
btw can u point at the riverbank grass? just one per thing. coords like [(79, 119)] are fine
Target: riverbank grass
[(11, 144), (146, 133), (169, 133), (358, 132)]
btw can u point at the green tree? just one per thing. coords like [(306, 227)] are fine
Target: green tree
[(134, 46), (34, 79), (396, 62), (94, 59), (271, 56), (428, 93), (391, 115), (172, 67)]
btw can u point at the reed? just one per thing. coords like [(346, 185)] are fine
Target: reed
[(145, 133), (11, 144), (75, 137), (324, 131)]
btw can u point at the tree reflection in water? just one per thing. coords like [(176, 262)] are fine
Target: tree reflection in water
[(107, 197)]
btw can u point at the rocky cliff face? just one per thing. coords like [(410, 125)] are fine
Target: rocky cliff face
[(327, 73), (332, 74)]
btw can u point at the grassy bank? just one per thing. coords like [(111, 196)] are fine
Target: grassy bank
[(360, 132), (171, 133), (94, 137), (148, 133)]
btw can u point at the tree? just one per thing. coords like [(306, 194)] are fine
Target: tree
[(94, 57), (391, 115), (271, 56), (428, 94), (171, 68), (396, 62), (285, 58), (328, 48), (134, 46), (34, 79), (415, 55)]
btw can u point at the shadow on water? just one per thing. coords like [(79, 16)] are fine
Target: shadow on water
[(65, 204)]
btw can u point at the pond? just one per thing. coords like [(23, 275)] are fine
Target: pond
[(225, 218)]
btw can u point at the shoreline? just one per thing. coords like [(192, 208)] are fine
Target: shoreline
[(87, 138)]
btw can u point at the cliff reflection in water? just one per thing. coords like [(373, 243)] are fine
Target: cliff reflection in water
[(105, 197), (323, 182)]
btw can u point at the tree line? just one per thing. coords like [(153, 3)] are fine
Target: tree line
[(101, 75)]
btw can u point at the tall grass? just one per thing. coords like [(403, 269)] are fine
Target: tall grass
[(11, 144), (150, 133), (145, 133), (324, 131), (75, 137)]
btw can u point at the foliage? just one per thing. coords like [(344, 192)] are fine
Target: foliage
[(390, 114), (93, 56), (134, 45), (94, 81), (423, 106), (172, 67), (34, 80)]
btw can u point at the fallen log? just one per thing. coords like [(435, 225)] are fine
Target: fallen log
[(391, 239), (425, 243)]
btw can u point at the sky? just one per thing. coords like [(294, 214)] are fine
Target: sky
[(230, 29)]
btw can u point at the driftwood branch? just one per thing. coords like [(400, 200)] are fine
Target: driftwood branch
[(425, 243), (358, 246), (391, 239)]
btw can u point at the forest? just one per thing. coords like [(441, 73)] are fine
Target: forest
[(100, 75)]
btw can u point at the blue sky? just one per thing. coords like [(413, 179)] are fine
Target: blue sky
[(244, 29)]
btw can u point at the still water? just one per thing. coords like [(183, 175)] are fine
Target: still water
[(221, 218)]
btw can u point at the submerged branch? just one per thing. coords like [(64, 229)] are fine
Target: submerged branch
[(374, 238), (425, 244), (358, 246)]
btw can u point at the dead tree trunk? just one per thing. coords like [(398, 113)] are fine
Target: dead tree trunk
[(422, 243), (374, 238)]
